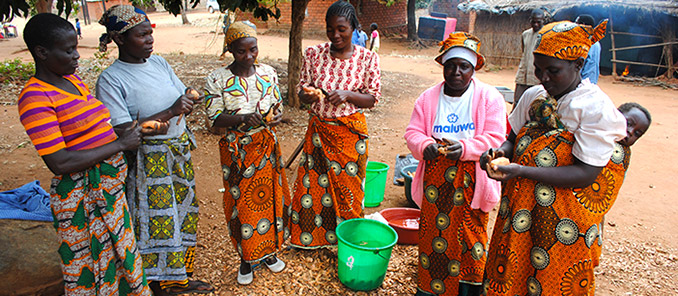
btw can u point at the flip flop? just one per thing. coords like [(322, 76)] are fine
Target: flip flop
[(196, 287), (245, 279), (278, 266)]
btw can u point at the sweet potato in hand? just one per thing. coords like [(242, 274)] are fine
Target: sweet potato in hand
[(192, 94), (312, 91), (492, 167), (154, 127)]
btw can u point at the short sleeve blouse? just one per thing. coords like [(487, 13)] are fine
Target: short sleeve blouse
[(360, 73)]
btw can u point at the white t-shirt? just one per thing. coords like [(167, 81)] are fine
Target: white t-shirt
[(454, 120), (145, 89), (588, 113)]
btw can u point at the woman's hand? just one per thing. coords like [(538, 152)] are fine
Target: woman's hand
[(309, 94), (509, 172), (339, 97), (130, 138), (277, 117), (453, 150), (251, 120), (431, 151), (183, 105), (154, 127), (194, 95), (488, 156)]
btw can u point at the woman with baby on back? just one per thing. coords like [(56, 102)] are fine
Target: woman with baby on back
[(563, 134)]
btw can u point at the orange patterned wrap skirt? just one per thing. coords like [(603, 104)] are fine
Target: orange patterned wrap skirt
[(452, 236), (547, 239), (257, 195), (329, 184)]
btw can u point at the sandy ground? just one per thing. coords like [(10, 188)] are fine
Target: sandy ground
[(639, 256)]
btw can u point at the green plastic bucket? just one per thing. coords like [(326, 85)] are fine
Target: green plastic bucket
[(375, 183), (364, 251)]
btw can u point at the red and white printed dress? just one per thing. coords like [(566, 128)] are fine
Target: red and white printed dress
[(328, 188)]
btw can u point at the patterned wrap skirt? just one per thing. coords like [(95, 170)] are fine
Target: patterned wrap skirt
[(329, 185), (164, 208), (257, 193), (99, 254), (452, 236), (547, 239)]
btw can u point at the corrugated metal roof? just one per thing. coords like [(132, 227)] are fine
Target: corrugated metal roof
[(510, 7)]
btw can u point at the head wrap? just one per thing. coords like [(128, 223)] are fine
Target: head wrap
[(239, 30), (464, 40), (568, 41), (119, 19), (460, 52)]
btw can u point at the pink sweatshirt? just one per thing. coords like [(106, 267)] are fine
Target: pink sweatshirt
[(489, 116)]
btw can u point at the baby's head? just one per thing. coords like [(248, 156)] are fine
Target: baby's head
[(638, 120)]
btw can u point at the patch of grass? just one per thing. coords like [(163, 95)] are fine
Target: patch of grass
[(15, 71)]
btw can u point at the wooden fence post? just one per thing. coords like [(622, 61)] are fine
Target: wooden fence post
[(614, 52)]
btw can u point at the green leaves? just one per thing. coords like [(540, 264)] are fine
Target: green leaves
[(11, 8), (261, 9)]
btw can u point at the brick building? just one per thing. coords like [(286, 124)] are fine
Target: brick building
[(95, 8), (391, 20)]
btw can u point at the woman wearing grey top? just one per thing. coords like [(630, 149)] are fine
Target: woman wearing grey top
[(161, 185)]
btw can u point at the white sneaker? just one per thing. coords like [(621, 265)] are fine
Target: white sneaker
[(278, 266), (245, 279)]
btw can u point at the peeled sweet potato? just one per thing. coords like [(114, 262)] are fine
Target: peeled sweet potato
[(313, 91), (152, 124), (492, 167), (192, 94), (499, 161)]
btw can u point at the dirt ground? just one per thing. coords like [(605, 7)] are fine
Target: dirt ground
[(640, 254)]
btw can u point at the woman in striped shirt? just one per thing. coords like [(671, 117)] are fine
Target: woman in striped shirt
[(71, 131), (338, 79)]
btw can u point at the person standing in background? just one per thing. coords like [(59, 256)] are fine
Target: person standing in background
[(77, 28), (525, 77), (359, 36), (591, 69), (374, 37)]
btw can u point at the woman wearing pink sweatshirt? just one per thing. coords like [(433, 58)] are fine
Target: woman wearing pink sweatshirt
[(452, 124)]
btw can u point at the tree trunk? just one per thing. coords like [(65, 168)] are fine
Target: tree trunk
[(296, 55), (411, 21), (184, 17), (43, 6)]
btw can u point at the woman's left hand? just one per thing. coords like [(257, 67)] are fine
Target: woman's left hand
[(277, 117), (338, 97), (454, 150), (509, 171)]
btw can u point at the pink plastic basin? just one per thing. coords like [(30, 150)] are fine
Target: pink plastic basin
[(405, 221)]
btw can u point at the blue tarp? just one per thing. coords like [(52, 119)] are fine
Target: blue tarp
[(28, 202)]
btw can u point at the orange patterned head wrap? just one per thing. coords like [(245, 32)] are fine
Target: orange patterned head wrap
[(239, 30), (465, 40), (568, 41)]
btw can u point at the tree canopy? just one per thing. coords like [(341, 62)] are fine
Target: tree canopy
[(262, 9)]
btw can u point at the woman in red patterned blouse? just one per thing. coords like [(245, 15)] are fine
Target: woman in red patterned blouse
[(338, 79)]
